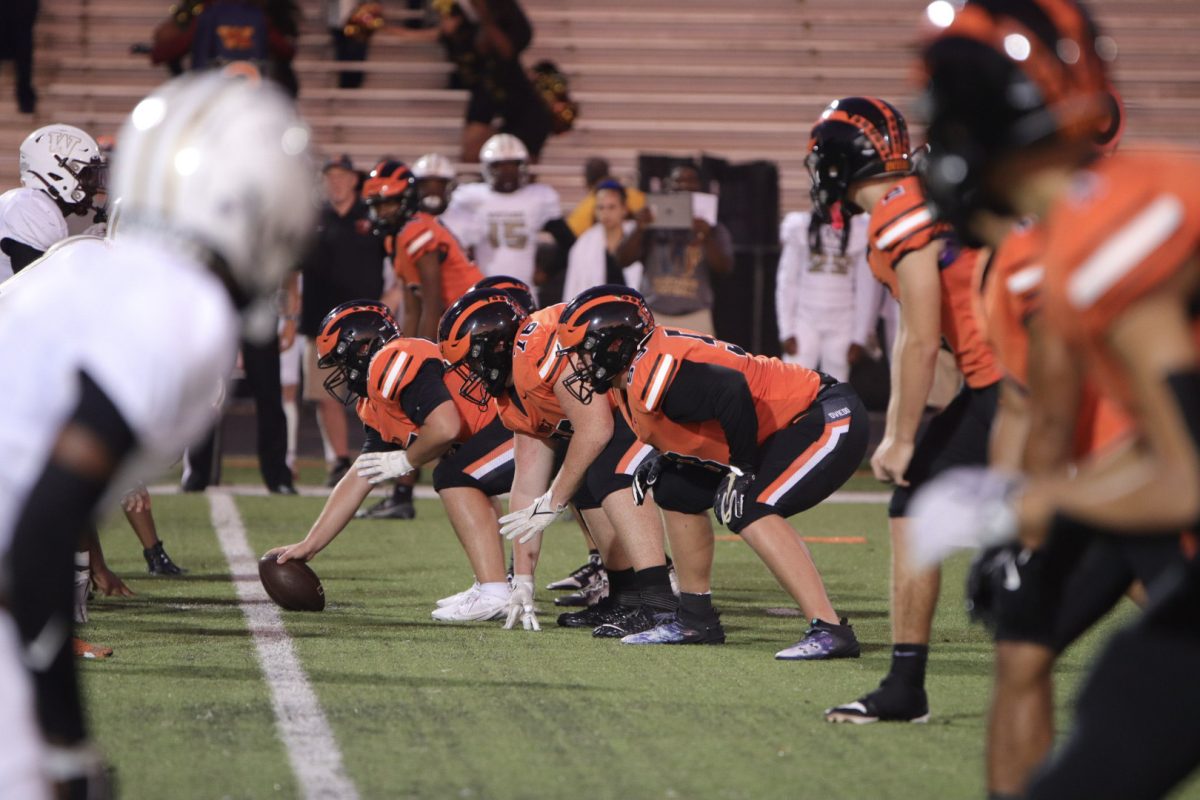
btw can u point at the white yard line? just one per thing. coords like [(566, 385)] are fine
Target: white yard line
[(427, 493), (311, 748)]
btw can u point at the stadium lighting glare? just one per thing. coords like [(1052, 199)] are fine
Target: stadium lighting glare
[(294, 140), (940, 13), (187, 161), (1017, 47), (148, 113)]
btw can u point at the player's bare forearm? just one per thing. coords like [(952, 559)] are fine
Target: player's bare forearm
[(593, 428), (431, 296), (1009, 429), (436, 435), (912, 378), (339, 509), (1055, 385), (533, 462)]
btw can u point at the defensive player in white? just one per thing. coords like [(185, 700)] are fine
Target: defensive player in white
[(821, 288), (122, 346), (502, 217), (62, 169)]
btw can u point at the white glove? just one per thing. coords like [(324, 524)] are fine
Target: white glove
[(520, 605), (963, 508), (380, 467), (531, 520)]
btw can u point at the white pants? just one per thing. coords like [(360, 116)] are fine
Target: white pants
[(821, 343), (21, 756)]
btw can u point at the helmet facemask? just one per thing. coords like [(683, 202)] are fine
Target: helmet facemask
[(597, 361), (350, 361)]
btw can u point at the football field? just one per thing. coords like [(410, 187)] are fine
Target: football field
[(424, 710)]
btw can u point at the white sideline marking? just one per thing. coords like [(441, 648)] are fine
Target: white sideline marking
[(305, 732)]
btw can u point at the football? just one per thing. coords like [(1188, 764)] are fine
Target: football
[(292, 585)]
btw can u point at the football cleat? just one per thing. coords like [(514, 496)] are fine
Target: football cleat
[(588, 595), (823, 641), (673, 631), (891, 702), (159, 563), (581, 577), (83, 591), (637, 620), (607, 610), (455, 599), (388, 508), (87, 650), (476, 607), (337, 472)]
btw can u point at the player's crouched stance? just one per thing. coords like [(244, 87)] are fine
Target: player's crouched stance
[(412, 417), (754, 438)]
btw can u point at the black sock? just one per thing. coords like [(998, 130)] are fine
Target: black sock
[(696, 609), (908, 663), (654, 587), (402, 494), (594, 557), (621, 588)]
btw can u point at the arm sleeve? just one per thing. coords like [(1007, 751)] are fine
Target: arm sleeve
[(373, 442), (564, 239), (425, 392), (702, 392)]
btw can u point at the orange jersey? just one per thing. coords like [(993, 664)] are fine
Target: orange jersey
[(902, 223), (426, 234), (1126, 227), (1011, 294), (537, 366), (781, 392), (392, 369)]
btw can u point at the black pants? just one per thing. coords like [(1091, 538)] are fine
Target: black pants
[(347, 49), (16, 45), (261, 363)]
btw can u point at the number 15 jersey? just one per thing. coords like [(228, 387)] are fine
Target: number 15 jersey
[(502, 227)]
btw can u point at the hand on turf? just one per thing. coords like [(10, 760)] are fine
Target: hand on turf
[(380, 467), (520, 607), (300, 551), (645, 476), (531, 520), (730, 501), (891, 460), (108, 584), (963, 508)]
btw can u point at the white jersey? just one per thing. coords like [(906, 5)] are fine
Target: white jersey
[(32, 218), (823, 282), (502, 227), (155, 331)]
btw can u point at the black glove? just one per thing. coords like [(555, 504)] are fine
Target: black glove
[(995, 577), (645, 476), (731, 494)]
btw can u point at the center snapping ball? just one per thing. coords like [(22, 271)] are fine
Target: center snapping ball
[(292, 585)]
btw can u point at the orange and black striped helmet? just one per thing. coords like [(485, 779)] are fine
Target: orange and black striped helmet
[(599, 332), (856, 138), (516, 288), (391, 181), (1004, 76), (476, 336), (350, 336)]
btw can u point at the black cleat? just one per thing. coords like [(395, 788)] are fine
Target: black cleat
[(159, 563), (605, 611), (636, 621), (822, 641), (337, 472), (676, 631), (581, 578), (388, 508), (587, 596), (893, 701)]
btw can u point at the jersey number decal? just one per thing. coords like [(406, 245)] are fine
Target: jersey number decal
[(507, 232)]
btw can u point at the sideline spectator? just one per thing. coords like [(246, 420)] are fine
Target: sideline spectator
[(679, 264), (226, 31), (350, 42), (345, 264), (596, 171), (822, 271), (16, 45), (593, 258), (485, 39)]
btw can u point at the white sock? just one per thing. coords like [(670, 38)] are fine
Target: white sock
[(291, 410), (497, 589)]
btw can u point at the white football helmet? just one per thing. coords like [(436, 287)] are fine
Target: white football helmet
[(434, 199), (222, 164), (65, 163), (433, 165), (499, 148)]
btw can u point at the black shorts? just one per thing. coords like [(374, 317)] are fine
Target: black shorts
[(612, 471), (1072, 584), (483, 462), (797, 468), (956, 437)]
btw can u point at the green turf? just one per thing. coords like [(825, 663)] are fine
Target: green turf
[(427, 711)]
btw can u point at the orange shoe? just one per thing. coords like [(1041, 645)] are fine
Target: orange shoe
[(85, 650)]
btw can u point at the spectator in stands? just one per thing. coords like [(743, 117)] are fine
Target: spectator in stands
[(593, 257), (584, 216), (226, 31), (822, 279), (347, 263), (485, 39), (349, 43), (679, 264), (16, 45)]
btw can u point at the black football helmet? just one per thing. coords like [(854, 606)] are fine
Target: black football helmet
[(350, 336), (516, 288), (599, 332), (476, 336), (855, 138), (391, 182), (1004, 77)]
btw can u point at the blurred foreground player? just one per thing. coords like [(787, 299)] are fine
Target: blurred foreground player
[(217, 200), (753, 438), (1122, 289)]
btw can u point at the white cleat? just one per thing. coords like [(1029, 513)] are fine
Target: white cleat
[(478, 607), (457, 599)]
